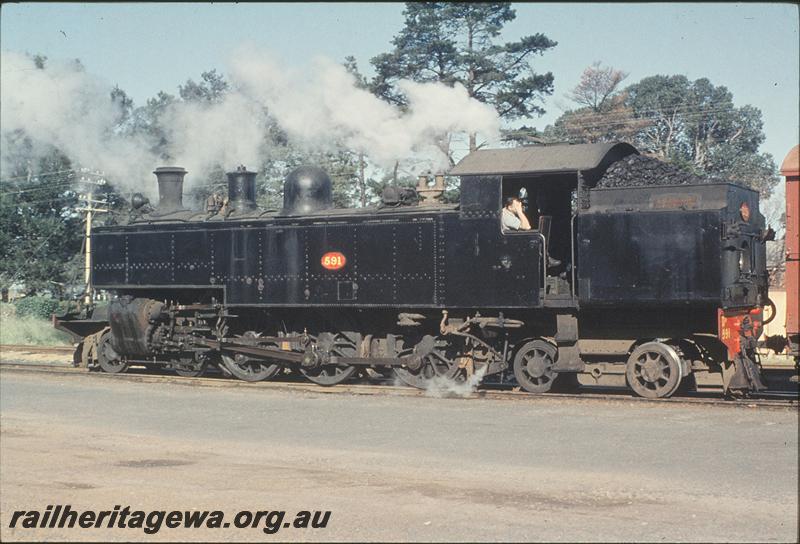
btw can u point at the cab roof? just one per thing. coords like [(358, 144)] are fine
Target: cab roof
[(541, 159)]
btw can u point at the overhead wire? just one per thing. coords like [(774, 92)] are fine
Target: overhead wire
[(35, 251), (37, 175), (29, 203), (632, 123), (60, 173), (40, 188), (683, 111)]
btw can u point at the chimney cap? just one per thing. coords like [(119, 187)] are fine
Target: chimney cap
[(170, 170), (241, 169)]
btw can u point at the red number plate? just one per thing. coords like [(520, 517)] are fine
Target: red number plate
[(333, 260)]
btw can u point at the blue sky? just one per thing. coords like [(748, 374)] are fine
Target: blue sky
[(144, 48)]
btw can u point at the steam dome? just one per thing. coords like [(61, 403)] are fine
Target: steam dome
[(307, 189)]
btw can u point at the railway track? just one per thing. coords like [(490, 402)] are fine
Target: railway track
[(21, 348), (709, 397)]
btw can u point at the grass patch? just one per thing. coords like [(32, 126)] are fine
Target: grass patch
[(28, 330)]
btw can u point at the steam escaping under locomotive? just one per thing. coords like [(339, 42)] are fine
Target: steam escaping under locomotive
[(647, 286)]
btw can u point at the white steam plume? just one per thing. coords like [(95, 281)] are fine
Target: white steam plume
[(441, 386), (226, 133), (326, 110), (65, 107), (321, 110)]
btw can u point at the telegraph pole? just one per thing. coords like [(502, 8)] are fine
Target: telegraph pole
[(90, 209)]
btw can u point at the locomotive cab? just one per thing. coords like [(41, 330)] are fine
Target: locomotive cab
[(550, 181), (547, 202)]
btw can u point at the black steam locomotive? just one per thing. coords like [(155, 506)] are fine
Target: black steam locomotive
[(645, 286)]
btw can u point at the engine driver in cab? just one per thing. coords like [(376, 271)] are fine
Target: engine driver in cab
[(513, 216)]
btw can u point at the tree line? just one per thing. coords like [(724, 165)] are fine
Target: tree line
[(693, 124)]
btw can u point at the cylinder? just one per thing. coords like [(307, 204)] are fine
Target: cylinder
[(242, 189), (170, 187)]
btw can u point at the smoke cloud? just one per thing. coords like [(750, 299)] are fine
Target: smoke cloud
[(226, 133), (440, 386), (325, 109), (321, 109), (65, 107)]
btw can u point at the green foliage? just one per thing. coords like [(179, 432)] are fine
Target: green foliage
[(124, 104), (147, 122), (614, 121), (28, 330), (351, 66), (40, 230), (37, 306), (756, 170), (212, 88), (697, 121), (460, 43), (693, 124)]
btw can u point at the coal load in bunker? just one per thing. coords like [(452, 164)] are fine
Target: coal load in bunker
[(625, 280)]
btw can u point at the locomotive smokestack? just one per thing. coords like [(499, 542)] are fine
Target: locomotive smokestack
[(242, 189), (170, 187)]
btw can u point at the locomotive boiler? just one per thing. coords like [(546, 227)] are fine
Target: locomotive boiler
[(644, 286)]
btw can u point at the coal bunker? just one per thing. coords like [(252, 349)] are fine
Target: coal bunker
[(640, 170)]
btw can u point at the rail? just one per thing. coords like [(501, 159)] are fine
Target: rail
[(773, 399)]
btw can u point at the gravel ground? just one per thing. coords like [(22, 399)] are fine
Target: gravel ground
[(395, 469)]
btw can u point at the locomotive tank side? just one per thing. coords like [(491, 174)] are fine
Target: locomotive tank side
[(433, 257), (672, 245)]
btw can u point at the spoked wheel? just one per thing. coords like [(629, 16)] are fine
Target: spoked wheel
[(653, 370), (437, 362), (533, 366), (338, 345), (110, 361), (247, 368), (191, 369), (329, 375)]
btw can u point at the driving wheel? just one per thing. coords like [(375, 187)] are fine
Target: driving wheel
[(190, 368), (249, 369), (339, 345), (438, 360)]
